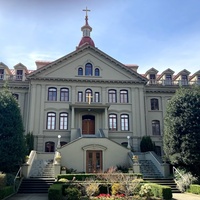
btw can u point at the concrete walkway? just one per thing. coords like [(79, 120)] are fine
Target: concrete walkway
[(185, 196), (29, 197), (176, 196)]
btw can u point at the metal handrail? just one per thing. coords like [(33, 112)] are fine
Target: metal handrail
[(18, 175), (176, 171)]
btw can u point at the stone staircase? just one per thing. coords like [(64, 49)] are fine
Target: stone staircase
[(41, 177), (165, 181), (149, 170), (42, 169), (35, 185)]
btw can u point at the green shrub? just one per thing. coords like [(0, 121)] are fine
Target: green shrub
[(117, 188), (146, 144), (78, 177), (160, 191), (6, 191), (72, 193), (55, 192), (195, 189), (92, 189)]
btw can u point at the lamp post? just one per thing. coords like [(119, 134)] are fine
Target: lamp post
[(58, 145), (128, 138)]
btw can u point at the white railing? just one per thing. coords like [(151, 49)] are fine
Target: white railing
[(175, 171), (17, 177)]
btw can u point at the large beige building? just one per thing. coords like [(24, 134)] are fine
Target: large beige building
[(92, 105)]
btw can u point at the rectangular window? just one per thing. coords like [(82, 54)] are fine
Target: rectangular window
[(112, 122), (1, 74), (51, 121), (168, 79), (63, 121), (52, 94), (184, 80), (154, 104), (123, 96), (19, 75), (124, 123), (64, 94), (96, 97), (80, 96), (112, 96), (156, 127), (152, 78)]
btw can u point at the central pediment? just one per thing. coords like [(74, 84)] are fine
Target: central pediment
[(87, 64)]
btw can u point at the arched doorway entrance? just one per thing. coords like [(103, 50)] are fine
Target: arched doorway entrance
[(88, 124)]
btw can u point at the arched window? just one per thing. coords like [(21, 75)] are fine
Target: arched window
[(80, 71), (97, 72), (51, 120), (154, 104), (124, 122), (49, 146), (52, 94), (112, 96), (88, 69), (123, 96), (64, 94), (112, 122), (63, 119), (155, 127), (88, 96)]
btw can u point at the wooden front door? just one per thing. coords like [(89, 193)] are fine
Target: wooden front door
[(88, 124), (93, 161)]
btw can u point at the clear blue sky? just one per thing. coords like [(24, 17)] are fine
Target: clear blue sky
[(150, 33)]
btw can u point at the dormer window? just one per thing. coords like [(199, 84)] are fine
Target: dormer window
[(184, 80), (152, 78), (1, 74), (19, 75), (168, 79), (198, 80)]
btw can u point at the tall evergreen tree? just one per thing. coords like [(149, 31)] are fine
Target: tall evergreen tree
[(12, 141), (182, 130)]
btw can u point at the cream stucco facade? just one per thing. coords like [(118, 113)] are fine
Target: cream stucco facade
[(54, 100)]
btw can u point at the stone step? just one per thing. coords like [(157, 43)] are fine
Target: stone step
[(165, 181), (35, 185), (149, 170), (42, 168)]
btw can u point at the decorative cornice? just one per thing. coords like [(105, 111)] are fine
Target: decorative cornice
[(87, 80)]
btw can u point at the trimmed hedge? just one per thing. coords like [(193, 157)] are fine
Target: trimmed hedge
[(78, 177), (6, 191), (161, 191), (194, 188), (83, 177), (55, 192)]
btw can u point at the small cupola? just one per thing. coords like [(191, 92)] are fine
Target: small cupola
[(86, 29)]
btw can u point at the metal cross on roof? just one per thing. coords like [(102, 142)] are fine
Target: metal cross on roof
[(86, 10)]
